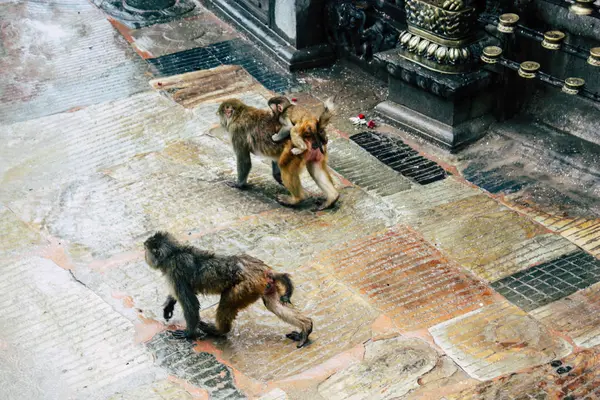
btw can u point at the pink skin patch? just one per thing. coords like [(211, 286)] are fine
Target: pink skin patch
[(313, 155)]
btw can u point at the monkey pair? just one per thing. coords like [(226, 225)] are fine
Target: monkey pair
[(296, 120), (240, 280), (251, 130)]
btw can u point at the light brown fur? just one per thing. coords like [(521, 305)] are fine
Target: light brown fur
[(251, 130)]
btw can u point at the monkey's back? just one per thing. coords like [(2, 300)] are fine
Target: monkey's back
[(260, 126)]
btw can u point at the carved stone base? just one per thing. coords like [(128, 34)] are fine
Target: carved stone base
[(450, 137), (271, 41), (136, 14), (453, 110)]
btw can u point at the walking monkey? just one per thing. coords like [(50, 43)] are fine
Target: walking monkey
[(240, 280), (251, 131), (296, 120)]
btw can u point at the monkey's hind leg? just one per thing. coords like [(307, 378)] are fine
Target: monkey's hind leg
[(290, 174), (292, 316), (276, 172), (319, 172)]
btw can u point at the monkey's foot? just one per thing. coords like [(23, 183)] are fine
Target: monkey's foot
[(182, 334), (210, 329), (325, 204), (298, 337), (236, 185), (288, 201)]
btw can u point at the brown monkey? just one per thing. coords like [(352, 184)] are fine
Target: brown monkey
[(296, 120), (240, 280), (251, 130)]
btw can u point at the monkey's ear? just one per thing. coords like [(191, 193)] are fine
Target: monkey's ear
[(279, 107)]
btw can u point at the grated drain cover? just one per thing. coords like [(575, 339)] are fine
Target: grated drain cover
[(550, 281), (230, 52), (402, 158)]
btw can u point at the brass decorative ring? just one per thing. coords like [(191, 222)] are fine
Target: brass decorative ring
[(528, 69), (594, 58), (553, 40), (582, 7), (491, 54), (507, 22), (573, 85)]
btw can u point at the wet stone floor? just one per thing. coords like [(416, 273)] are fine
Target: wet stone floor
[(431, 278)]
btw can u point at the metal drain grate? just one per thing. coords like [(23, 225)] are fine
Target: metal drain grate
[(551, 281), (230, 52), (394, 153), (494, 180)]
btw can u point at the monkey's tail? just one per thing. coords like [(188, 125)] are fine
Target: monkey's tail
[(286, 281)]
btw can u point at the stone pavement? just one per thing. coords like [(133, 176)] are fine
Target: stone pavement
[(419, 288)]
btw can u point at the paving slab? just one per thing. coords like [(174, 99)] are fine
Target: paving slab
[(391, 369), (578, 316), (498, 339), (487, 238), (406, 278), (576, 376), (583, 231), (70, 332), (200, 30), (62, 57)]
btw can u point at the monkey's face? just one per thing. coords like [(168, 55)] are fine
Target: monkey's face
[(157, 247), (229, 110)]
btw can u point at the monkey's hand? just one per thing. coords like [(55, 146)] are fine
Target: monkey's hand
[(298, 337), (296, 151), (168, 313)]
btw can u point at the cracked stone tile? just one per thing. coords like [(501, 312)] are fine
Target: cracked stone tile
[(498, 339), (62, 56), (16, 235), (391, 368), (88, 344), (487, 238), (200, 30), (577, 315), (159, 390), (576, 376), (405, 278)]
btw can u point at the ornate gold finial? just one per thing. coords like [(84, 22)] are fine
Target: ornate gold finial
[(582, 7), (594, 58), (573, 85), (528, 69), (553, 40), (507, 22), (491, 54)]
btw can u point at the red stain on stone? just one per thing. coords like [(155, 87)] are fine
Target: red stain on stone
[(115, 261), (146, 329), (319, 373), (384, 328), (127, 300), (72, 110), (126, 33), (194, 391), (251, 387), (56, 252)]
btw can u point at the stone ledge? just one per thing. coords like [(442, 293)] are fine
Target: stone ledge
[(450, 137), (285, 54)]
